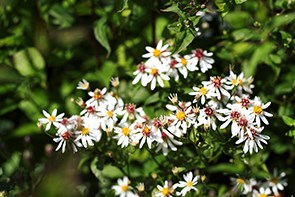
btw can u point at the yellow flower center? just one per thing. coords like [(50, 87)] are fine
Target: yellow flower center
[(154, 71), (262, 195), (240, 181), (51, 118), (124, 188), (85, 131), (180, 115), (257, 109), (165, 191), (183, 61), (85, 85), (157, 53), (189, 183), (97, 96), (110, 113), (234, 82), (146, 130), (126, 131), (203, 91)]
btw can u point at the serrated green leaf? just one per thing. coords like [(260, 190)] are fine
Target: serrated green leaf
[(288, 121), (100, 33)]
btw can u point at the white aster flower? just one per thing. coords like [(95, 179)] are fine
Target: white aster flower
[(131, 113), (202, 94), (126, 134), (172, 70), (277, 182), (258, 111), (167, 142), (83, 85), (253, 142), (65, 137), (217, 86), (157, 55), (156, 74), (165, 190), (51, 119), (108, 116), (208, 116), (188, 184), (123, 189), (185, 64), (89, 132), (203, 58), (100, 97)]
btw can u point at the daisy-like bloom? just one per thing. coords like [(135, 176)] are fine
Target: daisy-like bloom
[(203, 58), (258, 111), (157, 55), (64, 137), (141, 74), (217, 86), (277, 182), (146, 135), (100, 97), (240, 82), (89, 132), (131, 113), (164, 191), (253, 142), (208, 115), (156, 74), (243, 101), (50, 119), (202, 94), (108, 116), (123, 189), (232, 113), (182, 118), (262, 192), (115, 82), (83, 85), (126, 134), (188, 184), (184, 64)]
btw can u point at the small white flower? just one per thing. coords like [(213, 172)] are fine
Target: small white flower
[(156, 74), (167, 142), (208, 116), (123, 189), (140, 74), (63, 138), (217, 86), (51, 119), (185, 64), (263, 192), (164, 191), (108, 116), (157, 55), (202, 94), (277, 182), (126, 134), (83, 85), (203, 58), (188, 184), (258, 111)]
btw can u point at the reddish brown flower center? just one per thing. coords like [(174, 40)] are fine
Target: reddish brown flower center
[(173, 63), (245, 102), (141, 68), (243, 122), (90, 109), (216, 82), (235, 115), (130, 108), (164, 135), (66, 135), (198, 53), (157, 123), (208, 111)]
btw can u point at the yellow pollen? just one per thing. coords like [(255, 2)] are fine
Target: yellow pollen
[(234, 82), (262, 195), (154, 71), (203, 91), (146, 130), (275, 180), (126, 131), (180, 115), (240, 181), (85, 86), (157, 53), (183, 61), (257, 109), (165, 191), (97, 96), (85, 131), (110, 113), (124, 188), (189, 183), (51, 118), (240, 82)]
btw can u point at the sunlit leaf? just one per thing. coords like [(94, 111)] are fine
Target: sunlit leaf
[(100, 32)]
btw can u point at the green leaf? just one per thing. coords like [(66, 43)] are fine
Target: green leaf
[(100, 32), (182, 40), (288, 121), (30, 109), (260, 55), (124, 5), (152, 99), (226, 168), (27, 62), (26, 129), (240, 1), (281, 20), (12, 164)]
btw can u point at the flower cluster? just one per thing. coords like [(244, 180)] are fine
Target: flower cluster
[(161, 65), (273, 186)]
